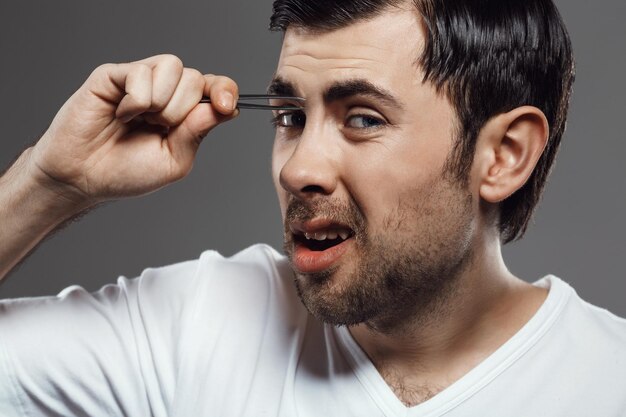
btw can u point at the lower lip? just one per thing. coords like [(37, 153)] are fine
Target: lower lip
[(307, 261)]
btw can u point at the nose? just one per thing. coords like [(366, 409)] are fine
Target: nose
[(311, 169)]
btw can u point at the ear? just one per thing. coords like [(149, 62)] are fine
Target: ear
[(508, 148)]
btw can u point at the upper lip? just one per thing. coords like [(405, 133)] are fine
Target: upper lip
[(317, 225)]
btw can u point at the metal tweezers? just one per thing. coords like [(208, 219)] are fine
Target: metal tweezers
[(241, 104)]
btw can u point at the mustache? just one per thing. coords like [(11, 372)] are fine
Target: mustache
[(346, 213)]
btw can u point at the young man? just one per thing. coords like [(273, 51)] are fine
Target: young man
[(424, 142)]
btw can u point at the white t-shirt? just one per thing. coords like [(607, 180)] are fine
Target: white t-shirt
[(229, 337)]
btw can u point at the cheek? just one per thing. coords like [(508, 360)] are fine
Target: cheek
[(379, 177), (279, 159)]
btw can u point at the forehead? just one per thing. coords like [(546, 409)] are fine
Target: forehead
[(383, 49)]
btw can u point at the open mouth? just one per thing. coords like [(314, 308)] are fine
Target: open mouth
[(322, 240), (319, 244)]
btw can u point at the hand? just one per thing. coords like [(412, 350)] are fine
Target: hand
[(131, 129)]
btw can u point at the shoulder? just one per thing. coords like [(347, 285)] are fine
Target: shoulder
[(259, 258), (256, 258), (589, 334), (256, 262), (589, 319), (254, 270), (257, 276), (580, 353), (605, 330), (257, 265)]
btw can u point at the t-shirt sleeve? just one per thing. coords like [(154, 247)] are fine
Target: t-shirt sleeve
[(81, 353)]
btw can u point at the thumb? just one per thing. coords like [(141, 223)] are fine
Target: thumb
[(185, 138)]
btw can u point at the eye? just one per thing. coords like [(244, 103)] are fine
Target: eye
[(364, 122), (295, 119)]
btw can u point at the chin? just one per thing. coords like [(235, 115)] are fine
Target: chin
[(334, 296)]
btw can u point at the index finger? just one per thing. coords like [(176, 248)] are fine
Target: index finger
[(223, 92)]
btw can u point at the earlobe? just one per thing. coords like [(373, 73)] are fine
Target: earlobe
[(511, 145)]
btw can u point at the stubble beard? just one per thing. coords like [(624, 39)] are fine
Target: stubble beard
[(400, 277)]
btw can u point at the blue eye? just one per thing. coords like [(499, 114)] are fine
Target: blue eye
[(296, 119), (364, 122)]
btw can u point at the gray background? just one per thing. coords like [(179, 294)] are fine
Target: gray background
[(47, 49)]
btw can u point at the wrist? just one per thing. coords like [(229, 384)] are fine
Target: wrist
[(29, 211), (40, 193)]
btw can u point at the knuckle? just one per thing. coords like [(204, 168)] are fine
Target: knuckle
[(170, 118), (141, 69), (102, 70), (159, 103), (105, 67), (199, 82), (193, 79), (193, 74), (172, 60), (142, 102), (139, 76)]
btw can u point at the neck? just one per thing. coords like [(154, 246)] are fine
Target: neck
[(431, 349)]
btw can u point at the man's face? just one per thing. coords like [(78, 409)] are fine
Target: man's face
[(373, 228)]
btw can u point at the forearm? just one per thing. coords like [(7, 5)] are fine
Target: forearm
[(29, 211), (92, 153)]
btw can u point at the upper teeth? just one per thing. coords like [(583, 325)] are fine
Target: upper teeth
[(344, 234)]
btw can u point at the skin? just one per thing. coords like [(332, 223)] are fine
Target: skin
[(129, 130), (392, 175), (134, 128)]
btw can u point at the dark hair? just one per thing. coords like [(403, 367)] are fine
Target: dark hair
[(488, 57)]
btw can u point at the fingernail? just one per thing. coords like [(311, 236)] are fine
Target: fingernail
[(227, 100)]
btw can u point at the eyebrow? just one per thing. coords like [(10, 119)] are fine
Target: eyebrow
[(360, 87), (281, 87), (341, 90)]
